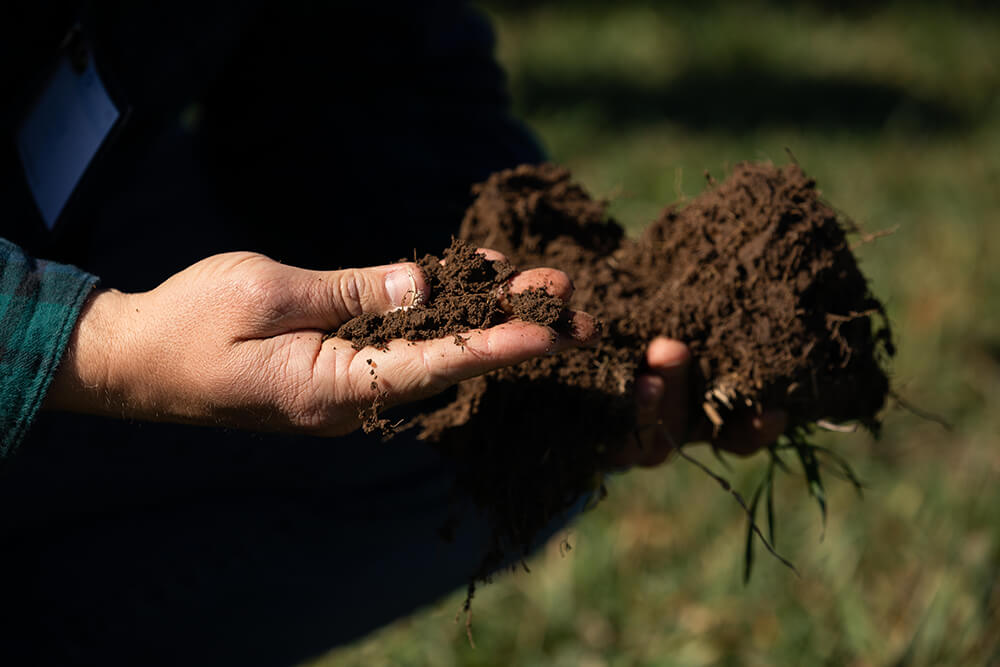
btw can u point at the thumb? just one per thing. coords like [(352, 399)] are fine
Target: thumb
[(327, 299)]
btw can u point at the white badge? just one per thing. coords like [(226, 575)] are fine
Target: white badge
[(63, 131)]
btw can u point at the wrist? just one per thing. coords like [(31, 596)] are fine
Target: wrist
[(91, 378)]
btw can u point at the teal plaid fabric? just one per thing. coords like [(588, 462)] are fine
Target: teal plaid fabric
[(39, 305)]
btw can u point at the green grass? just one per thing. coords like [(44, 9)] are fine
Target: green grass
[(909, 574)]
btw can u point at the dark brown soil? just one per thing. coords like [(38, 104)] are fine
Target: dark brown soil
[(755, 275), (466, 291)]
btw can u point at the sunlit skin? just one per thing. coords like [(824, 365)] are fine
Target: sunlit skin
[(240, 340)]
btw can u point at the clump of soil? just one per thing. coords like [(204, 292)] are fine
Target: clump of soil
[(469, 292), (755, 275), (466, 291)]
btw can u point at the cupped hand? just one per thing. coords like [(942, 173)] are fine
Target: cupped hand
[(239, 340), (666, 419)]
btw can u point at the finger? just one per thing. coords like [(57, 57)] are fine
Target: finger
[(576, 329), (489, 254), (411, 370), (408, 371), (552, 281), (650, 446), (670, 360), (539, 295), (669, 364), (649, 391), (326, 299), (661, 397), (658, 433)]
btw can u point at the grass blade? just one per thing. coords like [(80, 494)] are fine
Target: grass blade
[(751, 519), (770, 503), (811, 467)]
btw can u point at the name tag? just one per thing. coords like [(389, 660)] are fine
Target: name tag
[(63, 131)]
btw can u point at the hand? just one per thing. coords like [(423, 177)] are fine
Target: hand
[(665, 419), (237, 340)]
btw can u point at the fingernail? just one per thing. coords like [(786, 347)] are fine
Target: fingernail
[(401, 287)]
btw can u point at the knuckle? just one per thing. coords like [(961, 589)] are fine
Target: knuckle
[(256, 281), (351, 288), (266, 295), (362, 291)]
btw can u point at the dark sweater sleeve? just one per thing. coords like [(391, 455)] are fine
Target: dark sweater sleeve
[(39, 304)]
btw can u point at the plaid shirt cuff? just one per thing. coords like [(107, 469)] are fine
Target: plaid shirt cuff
[(39, 304)]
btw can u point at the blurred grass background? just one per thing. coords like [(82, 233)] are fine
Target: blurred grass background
[(895, 109)]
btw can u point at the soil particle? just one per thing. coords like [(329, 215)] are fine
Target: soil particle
[(755, 275)]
